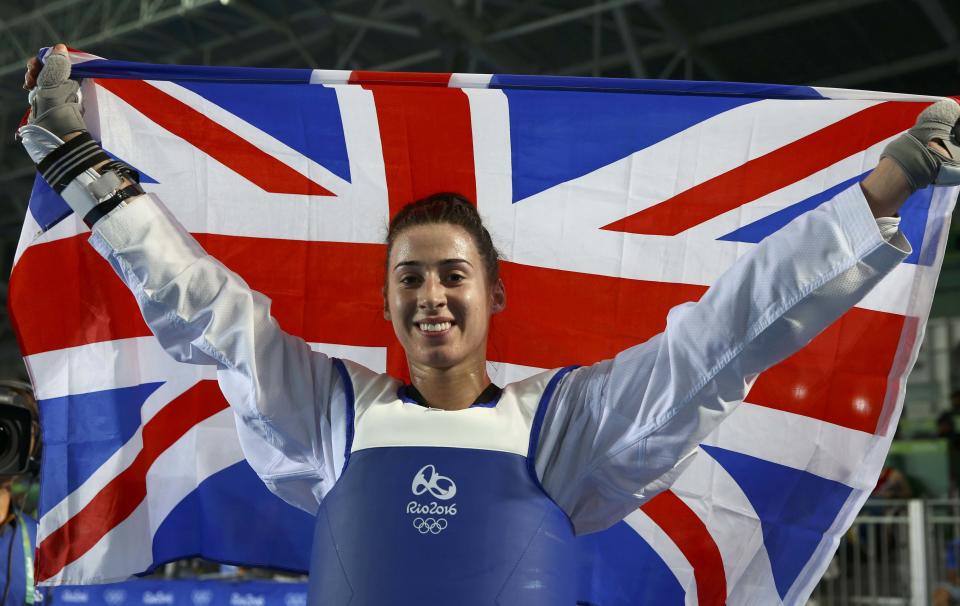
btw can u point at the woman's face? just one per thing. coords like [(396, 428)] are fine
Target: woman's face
[(438, 297)]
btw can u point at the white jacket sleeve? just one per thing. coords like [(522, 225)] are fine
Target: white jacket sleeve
[(289, 401), (618, 432)]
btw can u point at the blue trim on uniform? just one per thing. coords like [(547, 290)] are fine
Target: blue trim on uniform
[(403, 394), (491, 404), (538, 422), (348, 389)]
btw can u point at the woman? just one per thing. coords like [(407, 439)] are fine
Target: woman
[(451, 490)]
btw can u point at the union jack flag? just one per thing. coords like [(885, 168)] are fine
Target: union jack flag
[(613, 201)]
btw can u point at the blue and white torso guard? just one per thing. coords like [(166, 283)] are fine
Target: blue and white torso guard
[(442, 507)]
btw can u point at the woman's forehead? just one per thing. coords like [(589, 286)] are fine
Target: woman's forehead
[(433, 243)]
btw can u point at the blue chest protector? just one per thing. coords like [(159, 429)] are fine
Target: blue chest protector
[(442, 507)]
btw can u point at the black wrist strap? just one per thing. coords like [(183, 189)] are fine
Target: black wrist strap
[(62, 165), (101, 210)]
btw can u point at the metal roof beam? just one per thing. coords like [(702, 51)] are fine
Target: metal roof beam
[(889, 70), (346, 54), (778, 19), (558, 19), (637, 67), (370, 22), (941, 21), (468, 27), (677, 33), (144, 19), (726, 33)]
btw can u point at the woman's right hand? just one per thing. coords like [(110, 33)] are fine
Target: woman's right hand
[(34, 66)]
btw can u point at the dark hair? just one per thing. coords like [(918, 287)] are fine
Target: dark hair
[(452, 209)]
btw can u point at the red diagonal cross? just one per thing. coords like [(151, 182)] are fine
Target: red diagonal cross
[(225, 146)]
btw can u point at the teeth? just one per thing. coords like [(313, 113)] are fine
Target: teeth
[(442, 326)]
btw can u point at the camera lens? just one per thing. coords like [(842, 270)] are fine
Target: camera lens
[(9, 444)]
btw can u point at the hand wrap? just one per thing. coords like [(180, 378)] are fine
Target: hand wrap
[(71, 168)]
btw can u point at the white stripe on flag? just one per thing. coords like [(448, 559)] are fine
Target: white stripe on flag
[(118, 462), (109, 365), (849, 93), (458, 80), (122, 551), (730, 519), (330, 76), (28, 235), (824, 449)]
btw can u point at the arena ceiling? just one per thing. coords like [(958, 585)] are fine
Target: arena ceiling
[(894, 45)]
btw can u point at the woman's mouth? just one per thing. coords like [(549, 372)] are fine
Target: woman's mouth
[(434, 329)]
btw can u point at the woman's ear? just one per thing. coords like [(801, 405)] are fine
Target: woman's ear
[(386, 306), (498, 297)]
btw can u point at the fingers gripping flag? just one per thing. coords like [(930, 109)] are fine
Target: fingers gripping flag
[(614, 200)]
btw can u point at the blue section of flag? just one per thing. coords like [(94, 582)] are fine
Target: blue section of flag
[(795, 509), (307, 117), (204, 524), (913, 222), (556, 136), (618, 568), (671, 87), (760, 229), (82, 431), (130, 70), (46, 205)]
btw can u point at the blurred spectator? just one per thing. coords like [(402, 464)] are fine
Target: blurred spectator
[(892, 484), (18, 538), (947, 429), (948, 592)]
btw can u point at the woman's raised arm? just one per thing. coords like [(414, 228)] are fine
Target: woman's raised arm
[(619, 432), (289, 400)]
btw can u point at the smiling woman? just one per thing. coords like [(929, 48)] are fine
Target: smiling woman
[(466, 493), (442, 285)]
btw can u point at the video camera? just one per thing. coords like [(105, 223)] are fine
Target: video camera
[(19, 429)]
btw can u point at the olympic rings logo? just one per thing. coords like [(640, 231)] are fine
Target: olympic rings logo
[(430, 525), (428, 480)]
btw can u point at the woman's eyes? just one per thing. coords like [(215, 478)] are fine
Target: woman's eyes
[(414, 280)]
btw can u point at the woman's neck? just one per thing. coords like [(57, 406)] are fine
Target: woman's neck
[(452, 388)]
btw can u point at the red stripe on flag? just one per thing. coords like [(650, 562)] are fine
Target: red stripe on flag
[(221, 144), (403, 78), (427, 140), (63, 294), (124, 493), (690, 535), (331, 292), (555, 318), (770, 172), (841, 377)]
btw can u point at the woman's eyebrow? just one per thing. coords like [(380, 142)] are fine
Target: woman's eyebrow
[(413, 263)]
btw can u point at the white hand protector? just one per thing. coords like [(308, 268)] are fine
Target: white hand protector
[(55, 101), (69, 167), (921, 164)]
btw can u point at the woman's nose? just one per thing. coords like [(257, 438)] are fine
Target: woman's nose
[(432, 294)]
